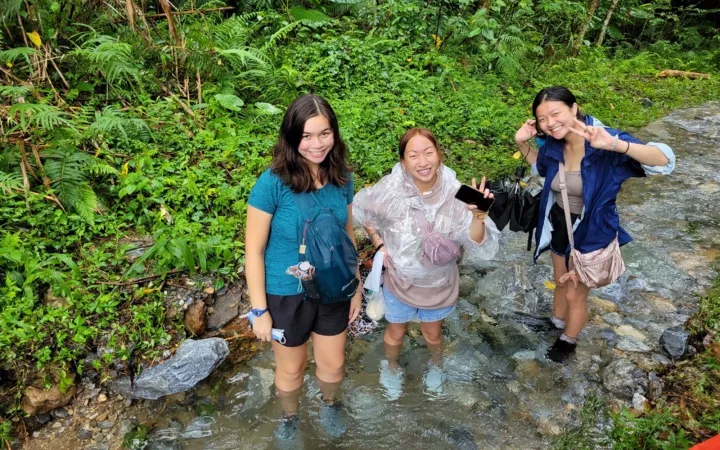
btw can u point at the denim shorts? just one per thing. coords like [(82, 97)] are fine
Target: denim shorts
[(399, 312)]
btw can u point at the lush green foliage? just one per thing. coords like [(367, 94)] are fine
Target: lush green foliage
[(155, 131)]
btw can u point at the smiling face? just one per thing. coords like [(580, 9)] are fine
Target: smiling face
[(554, 118), (421, 160), (317, 140)]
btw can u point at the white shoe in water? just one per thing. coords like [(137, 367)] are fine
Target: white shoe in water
[(434, 379), (391, 380)]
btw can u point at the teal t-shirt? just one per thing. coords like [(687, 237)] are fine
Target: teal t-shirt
[(274, 197)]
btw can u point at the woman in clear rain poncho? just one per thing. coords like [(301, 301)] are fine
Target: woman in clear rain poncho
[(397, 213)]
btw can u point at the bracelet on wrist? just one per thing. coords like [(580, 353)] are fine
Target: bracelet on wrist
[(627, 149)]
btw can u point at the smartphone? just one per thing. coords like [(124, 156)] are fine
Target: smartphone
[(471, 196)]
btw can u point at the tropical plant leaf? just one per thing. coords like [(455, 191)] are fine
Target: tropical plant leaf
[(309, 15), (230, 101), (267, 108)]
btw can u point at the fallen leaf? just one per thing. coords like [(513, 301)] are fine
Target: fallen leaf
[(549, 284), (35, 38), (165, 214), (715, 348), (517, 155), (124, 170)]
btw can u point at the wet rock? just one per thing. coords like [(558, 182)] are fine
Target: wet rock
[(193, 362), (200, 427), (38, 401), (612, 318), (660, 305), (164, 445), (84, 434), (60, 413), (646, 102), (259, 387), (627, 330), (225, 308), (42, 419), (525, 355), (675, 341), (662, 359), (106, 425), (467, 285), (619, 378), (462, 438), (195, 321), (632, 344), (166, 434), (602, 305), (126, 426)]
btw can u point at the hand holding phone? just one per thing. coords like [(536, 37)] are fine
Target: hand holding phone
[(476, 197)]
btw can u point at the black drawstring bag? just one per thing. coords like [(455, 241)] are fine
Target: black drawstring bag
[(515, 205)]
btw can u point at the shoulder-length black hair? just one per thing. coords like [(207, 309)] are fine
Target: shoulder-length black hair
[(290, 166), (554, 94)]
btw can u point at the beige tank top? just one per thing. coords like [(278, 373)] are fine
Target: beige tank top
[(573, 181)]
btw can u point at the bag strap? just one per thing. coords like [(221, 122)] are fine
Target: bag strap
[(306, 201), (566, 205)]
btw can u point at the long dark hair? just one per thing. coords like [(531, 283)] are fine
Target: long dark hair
[(557, 94), (290, 166)]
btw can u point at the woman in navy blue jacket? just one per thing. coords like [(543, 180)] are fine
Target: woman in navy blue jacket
[(597, 160)]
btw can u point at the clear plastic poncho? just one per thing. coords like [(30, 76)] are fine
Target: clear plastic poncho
[(389, 206)]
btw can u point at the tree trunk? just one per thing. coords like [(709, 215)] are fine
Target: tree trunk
[(592, 7), (610, 12)]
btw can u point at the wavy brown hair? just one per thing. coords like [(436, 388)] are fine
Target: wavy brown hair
[(290, 166), (411, 133)]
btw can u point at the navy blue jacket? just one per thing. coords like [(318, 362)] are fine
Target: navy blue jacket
[(602, 172)]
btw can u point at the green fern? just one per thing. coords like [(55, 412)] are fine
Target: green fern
[(110, 57), (113, 122), (13, 92), (37, 115), (68, 169), (281, 34), (12, 55), (10, 8), (10, 182)]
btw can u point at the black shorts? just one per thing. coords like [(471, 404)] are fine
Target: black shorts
[(559, 243), (299, 318)]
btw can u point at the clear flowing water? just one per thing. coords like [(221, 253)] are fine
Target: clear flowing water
[(499, 392)]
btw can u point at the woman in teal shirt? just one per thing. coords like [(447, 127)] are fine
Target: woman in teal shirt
[(310, 156)]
